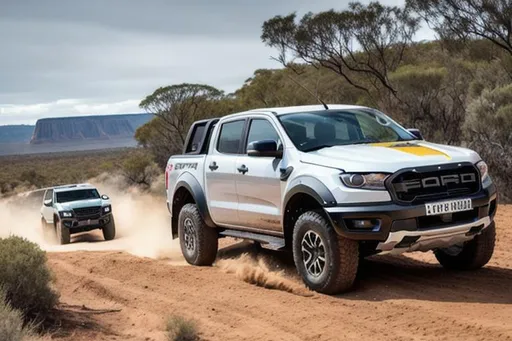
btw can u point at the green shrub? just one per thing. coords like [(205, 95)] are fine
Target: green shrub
[(181, 329), (25, 278), (139, 169)]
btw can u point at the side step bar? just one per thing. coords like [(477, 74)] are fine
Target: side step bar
[(274, 243)]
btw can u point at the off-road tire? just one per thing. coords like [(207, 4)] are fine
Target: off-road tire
[(200, 242), (63, 234), (44, 224), (109, 230), (474, 254), (341, 255)]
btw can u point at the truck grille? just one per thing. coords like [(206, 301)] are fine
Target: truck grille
[(422, 184), (88, 212)]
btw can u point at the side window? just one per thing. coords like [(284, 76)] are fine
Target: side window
[(230, 137), (48, 195), (262, 129)]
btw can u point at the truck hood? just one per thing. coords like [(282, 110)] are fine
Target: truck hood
[(68, 206), (388, 157)]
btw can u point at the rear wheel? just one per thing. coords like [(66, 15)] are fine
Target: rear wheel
[(198, 241), (326, 261), (109, 230), (471, 255), (44, 224), (47, 230), (63, 234)]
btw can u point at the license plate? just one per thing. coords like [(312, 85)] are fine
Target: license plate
[(449, 206), (87, 222)]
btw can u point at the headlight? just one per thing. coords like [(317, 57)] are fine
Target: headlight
[(66, 214), (106, 209), (365, 181), (484, 171)]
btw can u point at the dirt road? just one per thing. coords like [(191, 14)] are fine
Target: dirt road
[(113, 295)]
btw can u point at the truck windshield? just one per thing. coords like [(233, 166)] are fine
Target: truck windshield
[(82, 194), (311, 131)]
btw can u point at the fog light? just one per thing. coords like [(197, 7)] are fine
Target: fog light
[(364, 223)]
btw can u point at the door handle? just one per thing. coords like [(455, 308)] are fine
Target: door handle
[(213, 166), (243, 169)]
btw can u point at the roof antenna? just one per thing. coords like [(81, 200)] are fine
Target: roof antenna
[(310, 92)]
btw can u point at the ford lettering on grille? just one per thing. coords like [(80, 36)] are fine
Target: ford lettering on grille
[(423, 184), (435, 181)]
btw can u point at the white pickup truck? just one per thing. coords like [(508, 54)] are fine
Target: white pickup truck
[(332, 184)]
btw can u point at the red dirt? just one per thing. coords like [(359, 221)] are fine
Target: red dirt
[(396, 298)]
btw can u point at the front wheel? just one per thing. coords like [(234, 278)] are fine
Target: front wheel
[(198, 241), (109, 230), (471, 255), (326, 261), (63, 234)]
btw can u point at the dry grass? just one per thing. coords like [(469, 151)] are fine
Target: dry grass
[(12, 327), (181, 329)]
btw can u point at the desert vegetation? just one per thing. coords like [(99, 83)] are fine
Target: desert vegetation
[(27, 296), (180, 328), (29, 172), (455, 89)]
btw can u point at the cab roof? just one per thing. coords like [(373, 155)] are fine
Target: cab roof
[(72, 187), (305, 108)]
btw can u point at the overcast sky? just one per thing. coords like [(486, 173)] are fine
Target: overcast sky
[(67, 57)]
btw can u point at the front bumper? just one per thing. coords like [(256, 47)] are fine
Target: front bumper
[(76, 225), (408, 228)]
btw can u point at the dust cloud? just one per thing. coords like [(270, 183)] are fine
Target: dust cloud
[(142, 229), (255, 270), (141, 218)]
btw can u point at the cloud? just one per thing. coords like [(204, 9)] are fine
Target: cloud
[(63, 57)]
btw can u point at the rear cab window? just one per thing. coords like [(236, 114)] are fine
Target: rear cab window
[(196, 139)]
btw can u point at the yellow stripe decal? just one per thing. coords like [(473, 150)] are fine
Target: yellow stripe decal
[(414, 149)]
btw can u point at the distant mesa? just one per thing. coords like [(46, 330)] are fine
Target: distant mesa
[(87, 128), (16, 133)]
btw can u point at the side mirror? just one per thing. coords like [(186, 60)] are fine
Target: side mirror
[(105, 197), (48, 202), (264, 148), (416, 133)]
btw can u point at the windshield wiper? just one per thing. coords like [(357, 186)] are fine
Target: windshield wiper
[(366, 141), (322, 146)]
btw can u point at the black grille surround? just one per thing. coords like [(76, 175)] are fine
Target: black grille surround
[(445, 181), (87, 212)]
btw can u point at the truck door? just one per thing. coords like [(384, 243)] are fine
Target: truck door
[(258, 182), (220, 173), (47, 208)]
